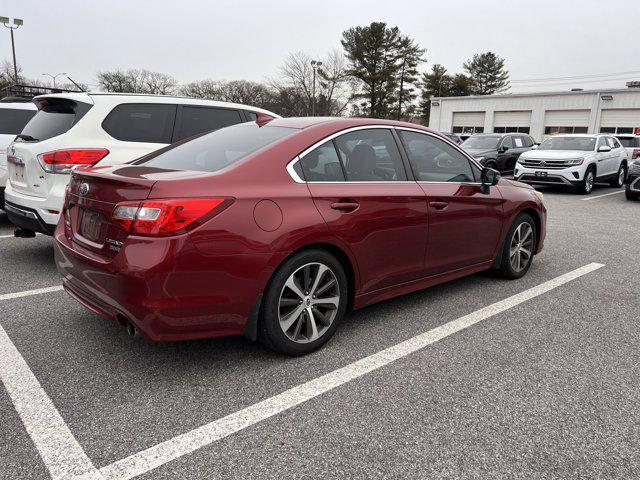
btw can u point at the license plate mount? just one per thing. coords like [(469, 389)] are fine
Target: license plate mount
[(541, 174), (90, 225)]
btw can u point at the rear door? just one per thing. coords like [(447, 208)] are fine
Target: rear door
[(360, 185), (464, 223)]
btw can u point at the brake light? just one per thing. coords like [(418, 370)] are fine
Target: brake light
[(63, 161), (163, 217)]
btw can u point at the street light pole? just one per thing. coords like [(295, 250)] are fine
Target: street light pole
[(17, 22), (315, 65), (53, 77)]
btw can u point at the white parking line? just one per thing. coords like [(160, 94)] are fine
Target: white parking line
[(603, 195), (188, 442), (62, 454), (6, 236), (28, 293)]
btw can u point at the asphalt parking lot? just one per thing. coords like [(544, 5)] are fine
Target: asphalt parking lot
[(540, 388)]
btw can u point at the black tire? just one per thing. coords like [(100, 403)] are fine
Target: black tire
[(620, 176), (492, 164), (633, 196), (586, 186), (506, 269), (270, 332)]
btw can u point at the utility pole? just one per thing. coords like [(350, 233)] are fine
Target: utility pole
[(315, 64), (53, 77), (17, 23)]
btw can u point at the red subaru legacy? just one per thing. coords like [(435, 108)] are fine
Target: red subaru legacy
[(274, 230)]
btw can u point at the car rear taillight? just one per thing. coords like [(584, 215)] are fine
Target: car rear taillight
[(163, 217), (635, 154), (63, 161)]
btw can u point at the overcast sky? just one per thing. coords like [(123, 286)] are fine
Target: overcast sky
[(248, 39)]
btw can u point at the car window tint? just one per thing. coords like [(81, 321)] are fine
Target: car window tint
[(518, 143), (13, 120), (322, 164), (602, 141), (141, 122), (195, 120), (251, 116), (370, 156), (435, 160), (216, 150), (55, 117), (507, 142), (528, 141)]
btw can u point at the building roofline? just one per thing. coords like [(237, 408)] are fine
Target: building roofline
[(541, 94)]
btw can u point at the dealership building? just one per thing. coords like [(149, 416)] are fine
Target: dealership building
[(540, 114)]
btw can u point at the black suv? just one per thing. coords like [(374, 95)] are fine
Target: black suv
[(499, 151)]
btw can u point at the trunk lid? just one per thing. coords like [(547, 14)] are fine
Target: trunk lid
[(93, 195)]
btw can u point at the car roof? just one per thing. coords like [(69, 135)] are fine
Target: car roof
[(342, 122), (116, 98)]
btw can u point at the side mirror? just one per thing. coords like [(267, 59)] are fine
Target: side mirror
[(488, 178), (503, 148), (604, 148), (535, 147)]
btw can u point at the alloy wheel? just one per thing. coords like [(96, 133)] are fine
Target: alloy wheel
[(621, 176), (589, 181), (308, 302), (521, 247)]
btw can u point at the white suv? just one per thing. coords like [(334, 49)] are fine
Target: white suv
[(14, 115), (80, 129), (574, 160)]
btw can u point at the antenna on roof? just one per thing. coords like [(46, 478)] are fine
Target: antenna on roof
[(78, 86)]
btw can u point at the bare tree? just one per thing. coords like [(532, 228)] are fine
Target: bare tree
[(333, 85), (137, 81)]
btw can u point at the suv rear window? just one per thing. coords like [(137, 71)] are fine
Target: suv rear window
[(195, 120), (629, 142), (216, 150), (141, 122), (55, 117), (13, 120)]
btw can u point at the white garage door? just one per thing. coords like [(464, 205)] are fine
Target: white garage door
[(620, 120), (512, 119), (567, 118), (468, 123)]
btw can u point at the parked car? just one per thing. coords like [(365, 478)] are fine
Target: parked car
[(454, 137), (80, 129), (578, 161), (275, 230), (631, 144), (499, 151), (632, 182), (14, 115)]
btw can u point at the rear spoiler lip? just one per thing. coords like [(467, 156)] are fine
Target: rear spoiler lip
[(81, 97)]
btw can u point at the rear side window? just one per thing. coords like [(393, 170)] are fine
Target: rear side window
[(195, 120), (217, 150), (628, 142), (55, 117), (13, 120), (322, 164), (370, 155), (141, 122), (251, 116)]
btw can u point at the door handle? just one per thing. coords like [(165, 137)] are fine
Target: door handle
[(345, 206), (439, 205)]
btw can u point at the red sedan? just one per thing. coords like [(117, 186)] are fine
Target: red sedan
[(274, 230)]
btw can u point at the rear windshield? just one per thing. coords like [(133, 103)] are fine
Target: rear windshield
[(568, 143), (54, 118), (486, 143), (13, 120), (629, 142), (217, 150)]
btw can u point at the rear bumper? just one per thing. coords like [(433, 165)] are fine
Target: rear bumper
[(42, 207), (164, 287), (27, 218)]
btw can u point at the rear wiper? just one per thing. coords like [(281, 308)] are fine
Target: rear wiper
[(27, 138)]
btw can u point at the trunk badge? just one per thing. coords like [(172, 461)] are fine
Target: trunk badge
[(84, 189)]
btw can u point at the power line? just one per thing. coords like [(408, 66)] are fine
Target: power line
[(576, 77)]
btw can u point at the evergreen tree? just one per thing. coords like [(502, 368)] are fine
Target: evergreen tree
[(461, 85), (410, 56), (373, 54), (488, 73), (437, 83)]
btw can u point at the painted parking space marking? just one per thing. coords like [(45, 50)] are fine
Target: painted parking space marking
[(186, 443), (603, 195), (28, 293), (61, 453)]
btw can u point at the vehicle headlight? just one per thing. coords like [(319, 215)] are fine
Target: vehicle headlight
[(521, 160), (574, 161), (539, 197)]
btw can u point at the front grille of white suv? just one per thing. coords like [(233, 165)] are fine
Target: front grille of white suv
[(546, 164)]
